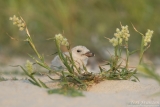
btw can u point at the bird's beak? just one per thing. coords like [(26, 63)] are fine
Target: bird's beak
[(89, 54)]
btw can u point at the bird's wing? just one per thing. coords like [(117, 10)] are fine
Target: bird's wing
[(57, 64)]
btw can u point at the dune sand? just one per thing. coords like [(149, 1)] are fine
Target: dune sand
[(109, 93)]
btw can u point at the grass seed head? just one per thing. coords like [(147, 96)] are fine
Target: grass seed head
[(29, 67), (61, 40), (17, 21), (148, 37)]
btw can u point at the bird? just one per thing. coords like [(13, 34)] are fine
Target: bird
[(80, 56)]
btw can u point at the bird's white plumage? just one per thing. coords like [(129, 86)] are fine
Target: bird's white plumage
[(78, 54)]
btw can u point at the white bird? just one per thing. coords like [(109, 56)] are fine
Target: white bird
[(80, 56)]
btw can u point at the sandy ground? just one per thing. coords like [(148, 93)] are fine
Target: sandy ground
[(106, 94), (109, 93)]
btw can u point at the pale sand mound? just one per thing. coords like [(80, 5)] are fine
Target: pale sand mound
[(108, 93), (117, 86)]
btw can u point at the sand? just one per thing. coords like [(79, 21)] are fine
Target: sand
[(109, 93)]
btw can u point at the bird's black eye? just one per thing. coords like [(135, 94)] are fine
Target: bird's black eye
[(78, 50)]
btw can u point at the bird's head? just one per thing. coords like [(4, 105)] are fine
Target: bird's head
[(82, 53)]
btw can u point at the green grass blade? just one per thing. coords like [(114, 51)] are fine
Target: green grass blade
[(52, 78), (42, 84), (67, 92), (130, 53), (33, 82), (136, 77)]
